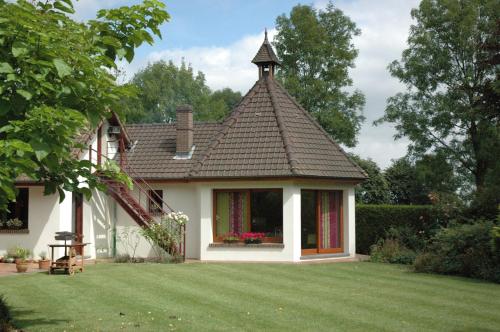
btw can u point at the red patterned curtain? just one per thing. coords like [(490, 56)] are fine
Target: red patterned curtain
[(329, 208), (232, 212)]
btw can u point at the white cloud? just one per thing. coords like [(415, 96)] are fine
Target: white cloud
[(384, 26), (384, 30), (227, 66)]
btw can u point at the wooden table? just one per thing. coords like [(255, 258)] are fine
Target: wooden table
[(68, 262)]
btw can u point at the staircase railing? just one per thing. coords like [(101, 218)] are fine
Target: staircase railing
[(156, 205)]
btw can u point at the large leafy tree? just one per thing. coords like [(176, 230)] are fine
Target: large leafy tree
[(450, 69), (162, 86), (375, 189), (316, 50), (55, 81), (417, 181)]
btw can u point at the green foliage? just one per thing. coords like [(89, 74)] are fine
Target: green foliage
[(391, 251), (55, 81), (316, 50), (166, 235), (451, 105), (374, 221), (22, 253), (413, 182), (373, 190), (400, 245), (162, 86), (463, 249)]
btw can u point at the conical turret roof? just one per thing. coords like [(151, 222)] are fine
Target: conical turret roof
[(270, 135), (266, 54)]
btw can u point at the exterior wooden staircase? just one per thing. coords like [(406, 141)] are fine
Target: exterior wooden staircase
[(134, 202), (129, 203)]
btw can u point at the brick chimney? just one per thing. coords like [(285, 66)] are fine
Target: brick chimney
[(184, 130)]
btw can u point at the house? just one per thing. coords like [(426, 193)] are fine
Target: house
[(268, 167)]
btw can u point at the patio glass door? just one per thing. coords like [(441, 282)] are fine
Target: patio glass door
[(322, 221)]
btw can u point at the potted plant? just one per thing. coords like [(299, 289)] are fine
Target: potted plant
[(22, 262), (9, 259), (43, 262), (230, 238), (14, 223), (11, 255), (252, 238)]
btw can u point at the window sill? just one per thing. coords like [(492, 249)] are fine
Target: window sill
[(243, 245), (14, 231)]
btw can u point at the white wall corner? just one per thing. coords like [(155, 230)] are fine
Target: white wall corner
[(66, 213), (205, 198), (351, 220), (292, 222)]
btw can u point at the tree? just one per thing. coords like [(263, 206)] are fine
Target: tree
[(403, 186), (451, 104), (228, 98), (56, 81), (162, 86), (316, 51), (413, 182), (373, 190)]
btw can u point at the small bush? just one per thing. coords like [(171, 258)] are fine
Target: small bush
[(400, 245), (166, 236), (425, 262), (463, 249), (374, 221), (126, 258)]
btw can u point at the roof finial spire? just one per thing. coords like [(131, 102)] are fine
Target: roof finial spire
[(265, 58)]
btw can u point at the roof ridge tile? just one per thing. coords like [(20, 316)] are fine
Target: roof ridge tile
[(313, 120), (292, 161)]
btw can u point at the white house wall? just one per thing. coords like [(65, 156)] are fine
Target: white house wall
[(180, 197), (195, 200), (104, 221), (291, 223), (43, 222)]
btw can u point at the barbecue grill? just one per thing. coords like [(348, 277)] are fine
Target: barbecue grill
[(68, 262)]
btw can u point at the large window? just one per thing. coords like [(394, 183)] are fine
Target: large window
[(17, 217), (251, 210)]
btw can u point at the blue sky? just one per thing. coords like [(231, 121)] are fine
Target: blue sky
[(219, 37)]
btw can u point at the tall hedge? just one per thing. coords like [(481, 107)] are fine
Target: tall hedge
[(372, 221)]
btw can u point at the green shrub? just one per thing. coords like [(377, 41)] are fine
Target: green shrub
[(374, 221), (391, 251), (463, 249), (166, 236)]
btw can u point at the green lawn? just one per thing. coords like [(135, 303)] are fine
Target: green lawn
[(251, 297)]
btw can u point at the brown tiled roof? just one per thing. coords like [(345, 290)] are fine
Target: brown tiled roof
[(270, 135), (153, 151), (265, 53), (267, 135)]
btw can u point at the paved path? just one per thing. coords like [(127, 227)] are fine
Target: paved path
[(7, 269)]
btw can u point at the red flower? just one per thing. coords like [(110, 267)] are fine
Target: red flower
[(250, 235)]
